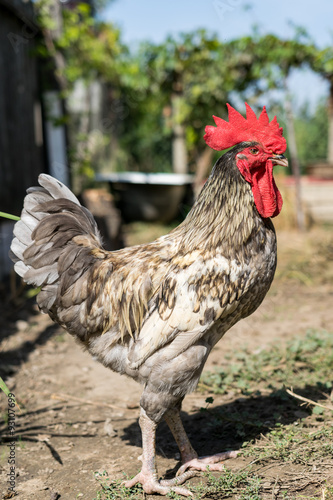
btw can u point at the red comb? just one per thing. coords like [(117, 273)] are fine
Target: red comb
[(239, 129)]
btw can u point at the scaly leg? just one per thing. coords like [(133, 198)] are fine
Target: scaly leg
[(189, 456), (148, 477)]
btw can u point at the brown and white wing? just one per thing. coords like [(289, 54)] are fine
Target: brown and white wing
[(58, 248)]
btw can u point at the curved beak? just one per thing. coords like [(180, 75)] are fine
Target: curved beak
[(279, 160)]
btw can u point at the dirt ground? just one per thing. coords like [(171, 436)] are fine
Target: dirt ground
[(77, 417)]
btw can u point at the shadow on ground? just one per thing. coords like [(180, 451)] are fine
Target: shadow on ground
[(227, 426), (12, 359), (13, 311)]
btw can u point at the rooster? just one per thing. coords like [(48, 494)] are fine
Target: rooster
[(154, 312)]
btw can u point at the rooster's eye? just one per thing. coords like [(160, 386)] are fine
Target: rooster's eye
[(254, 151)]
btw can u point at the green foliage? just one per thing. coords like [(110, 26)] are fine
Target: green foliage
[(269, 59), (181, 81), (178, 82), (81, 48), (322, 62), (189, 77), (90, 47)]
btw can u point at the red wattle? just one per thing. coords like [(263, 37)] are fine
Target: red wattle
[(267, 197)]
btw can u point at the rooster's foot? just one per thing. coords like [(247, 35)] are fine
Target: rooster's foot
[(213, 462), (151, 484)]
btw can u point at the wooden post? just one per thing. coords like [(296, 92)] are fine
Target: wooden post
[(330, 125), (295, 167), (179, 151), (204, 165)]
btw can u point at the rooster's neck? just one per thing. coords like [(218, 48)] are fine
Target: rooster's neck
[(224, 215)]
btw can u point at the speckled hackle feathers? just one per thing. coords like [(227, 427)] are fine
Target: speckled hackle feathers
[(238, 129)]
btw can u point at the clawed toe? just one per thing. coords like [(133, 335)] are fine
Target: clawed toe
[(197, 465), (151, 485), (179, 479), (148, 477), (202, 463)]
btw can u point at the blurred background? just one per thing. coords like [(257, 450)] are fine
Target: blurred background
[(112, 98)]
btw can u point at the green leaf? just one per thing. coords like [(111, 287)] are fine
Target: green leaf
[(9, 216), (3, 387)]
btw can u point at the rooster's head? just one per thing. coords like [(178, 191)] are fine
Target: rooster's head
[(264, 147)]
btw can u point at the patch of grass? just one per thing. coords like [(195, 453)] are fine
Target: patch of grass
[(290, 434), (297, 443), (309, 262), (244, 484), (60, 338), (111, 489), (279, 429), (328, 493), (304, 361)]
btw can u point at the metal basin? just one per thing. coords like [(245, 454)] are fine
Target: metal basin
[(148, 197)]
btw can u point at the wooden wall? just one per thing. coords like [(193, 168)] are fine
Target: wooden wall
[(22, 155)]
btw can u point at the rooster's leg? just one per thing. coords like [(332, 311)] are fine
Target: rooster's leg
[(189, 456), (148, 477), (172, 418)]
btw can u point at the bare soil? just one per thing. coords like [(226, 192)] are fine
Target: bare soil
[(77, 417)]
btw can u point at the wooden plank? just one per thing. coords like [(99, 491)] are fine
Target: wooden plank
[(21, 10), (21, 145)]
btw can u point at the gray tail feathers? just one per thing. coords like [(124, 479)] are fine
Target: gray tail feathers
[(52, 226)]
